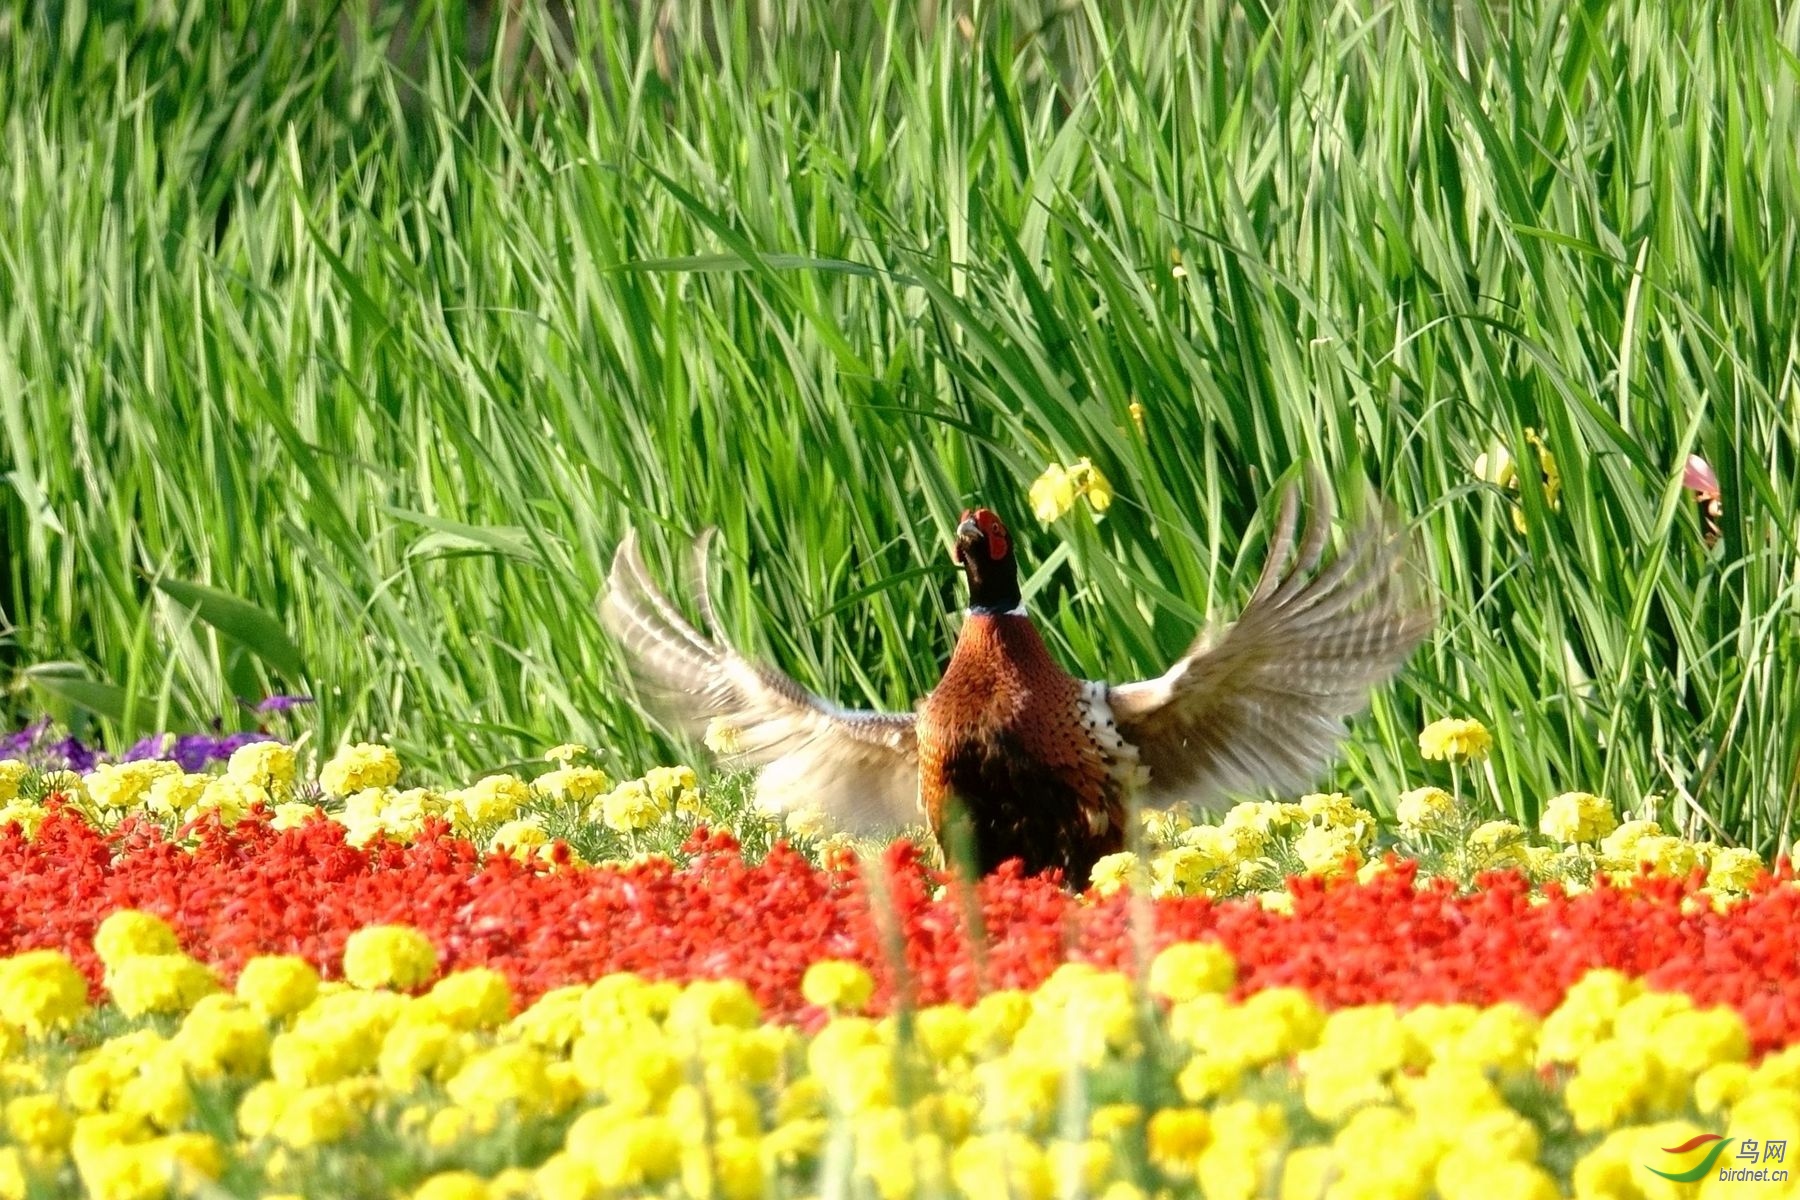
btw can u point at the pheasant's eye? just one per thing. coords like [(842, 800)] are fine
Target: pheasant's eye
[(999, 541)]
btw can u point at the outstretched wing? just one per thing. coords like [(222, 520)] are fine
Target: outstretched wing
[(1264, 702), (858, 768)]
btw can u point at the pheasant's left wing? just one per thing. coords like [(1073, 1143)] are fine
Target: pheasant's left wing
[(859, 768), (1264, 703)]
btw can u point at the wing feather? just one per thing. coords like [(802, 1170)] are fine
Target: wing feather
[(860, 768), (1264, 702)]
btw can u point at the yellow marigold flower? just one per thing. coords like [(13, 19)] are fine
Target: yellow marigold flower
[(267, 765), (566, 753), (573, 785), (310, 1055), (1424, 810), (1502, 1037), (1585, 1016), (672, 788), (943, 1031), (995, 1019), (277, 985), (1693, 1041), (12, 774), (837, 985), (27, 816), (1052, 494), (293, 814), (1163, 825), (1370, 1037), (1455, 739), (1619, 848), (416, 1050), (1020, 1090), (1498, 843), (1385, 1153), (1176, 1136), (1616, 1082), (728, 1169), (364, 765), (39, 1122), (1471, 1173), (805, 823), (1113, 872), (316, 1116), (1189, 969), (1264, 816), (1184, 870), (232, 798), (1577, 817), (1281, 901), (553, 1021), (1667, 855), (158, 983), (564, 1176), (65, 783), (512, 1076), (1209, 1076), (452, 1185), (175, 794), (159, 1093), (708, 1004), (723, 738), (520, 838), (121, 1173), (638, 1152), (1323, 849), (1733, 869), (389, 956), (99, 1131), (455, 1126), (1331, 808), (1310, 1172), (223, 1036), (122, 785), (703, 1114), (129, 932), (1721, 1086), (630, 807), (491, 798), (476, 998), (1246, 1138), (1002, 1164)]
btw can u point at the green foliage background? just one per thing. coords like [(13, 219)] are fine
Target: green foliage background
[(337, 311)]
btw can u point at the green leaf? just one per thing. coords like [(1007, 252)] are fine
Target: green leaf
[(239, 620), (458, 537), (57, 679)]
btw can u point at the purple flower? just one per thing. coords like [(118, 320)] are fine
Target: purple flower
[(155, 746), (74, 755), (195, 750), (21, 744)]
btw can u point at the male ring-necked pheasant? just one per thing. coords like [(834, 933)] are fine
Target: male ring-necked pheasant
[(1041, 765)]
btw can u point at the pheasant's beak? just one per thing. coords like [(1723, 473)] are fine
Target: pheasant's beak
[(968, 535)]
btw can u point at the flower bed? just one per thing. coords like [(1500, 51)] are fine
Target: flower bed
[(382, 995)]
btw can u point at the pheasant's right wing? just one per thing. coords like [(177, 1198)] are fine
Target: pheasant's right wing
[(859, 768), (1264, 702)]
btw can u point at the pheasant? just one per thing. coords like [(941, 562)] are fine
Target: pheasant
[(1013, 757)]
